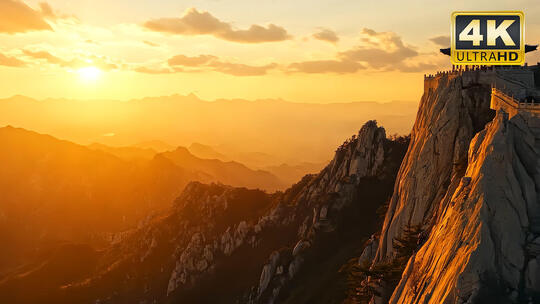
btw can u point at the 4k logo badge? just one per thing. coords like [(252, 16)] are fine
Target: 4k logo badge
[(492, 38)]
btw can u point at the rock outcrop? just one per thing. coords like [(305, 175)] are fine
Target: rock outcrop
[(452, 110), (470, 183), (320, 210), (481, 250)]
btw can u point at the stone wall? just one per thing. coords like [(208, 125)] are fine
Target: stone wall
[(525, 76), (511, 105)]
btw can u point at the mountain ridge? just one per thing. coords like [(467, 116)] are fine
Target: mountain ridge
[(55, 190), (286, 126), (214, 230)]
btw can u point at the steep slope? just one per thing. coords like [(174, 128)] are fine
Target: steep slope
[(335, 212), (230, 173), (221, 244), (452, 110), (52, 268), (485, 246), (468, 186), (141, 264)]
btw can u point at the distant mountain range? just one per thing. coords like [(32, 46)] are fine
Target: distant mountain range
[(230, 172), (289, 173), (204, 151), (54, 190), (126, 153), (289, 132)]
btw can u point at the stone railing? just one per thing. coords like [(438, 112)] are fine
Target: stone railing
[(512, 105)]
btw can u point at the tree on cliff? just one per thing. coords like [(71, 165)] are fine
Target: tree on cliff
[(384, 273)]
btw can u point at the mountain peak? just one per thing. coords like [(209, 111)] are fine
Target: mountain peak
[(182, 149)]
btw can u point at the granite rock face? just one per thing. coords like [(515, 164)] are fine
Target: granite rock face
[(452, 110), (470, 180), (319, 207), (484, 246)]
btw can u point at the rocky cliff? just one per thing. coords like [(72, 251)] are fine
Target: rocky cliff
[(452, 110), (333, 212), (467, 188), (484, 247)]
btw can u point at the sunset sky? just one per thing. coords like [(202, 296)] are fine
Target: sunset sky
[(305, 51)]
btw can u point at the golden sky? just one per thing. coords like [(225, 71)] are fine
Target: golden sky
[(306, 51)]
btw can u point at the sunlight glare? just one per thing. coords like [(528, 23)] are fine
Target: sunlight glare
[(90, 73)]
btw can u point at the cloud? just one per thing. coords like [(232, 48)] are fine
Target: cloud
[(150, 43), (100, 62), (200, 63), (194, 23), (417, 67), (184, 60), (50, 58), (238, 69), (147, 70), (11, 61), (50, 14), (381, 50), (47, 10), (326, 35), (89, 60), (326, 66), (257, 34), (442, 41), (17, 17)]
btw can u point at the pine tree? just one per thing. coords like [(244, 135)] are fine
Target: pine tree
[(384, 273)]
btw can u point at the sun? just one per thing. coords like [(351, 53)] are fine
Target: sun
[(89, 73)]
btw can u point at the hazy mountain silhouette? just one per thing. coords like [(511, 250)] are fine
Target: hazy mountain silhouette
[(302, 132), (288, 173), (292, 173), (205, 151), (156, 145), (56, 190), (127, 152), (230, 173)]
